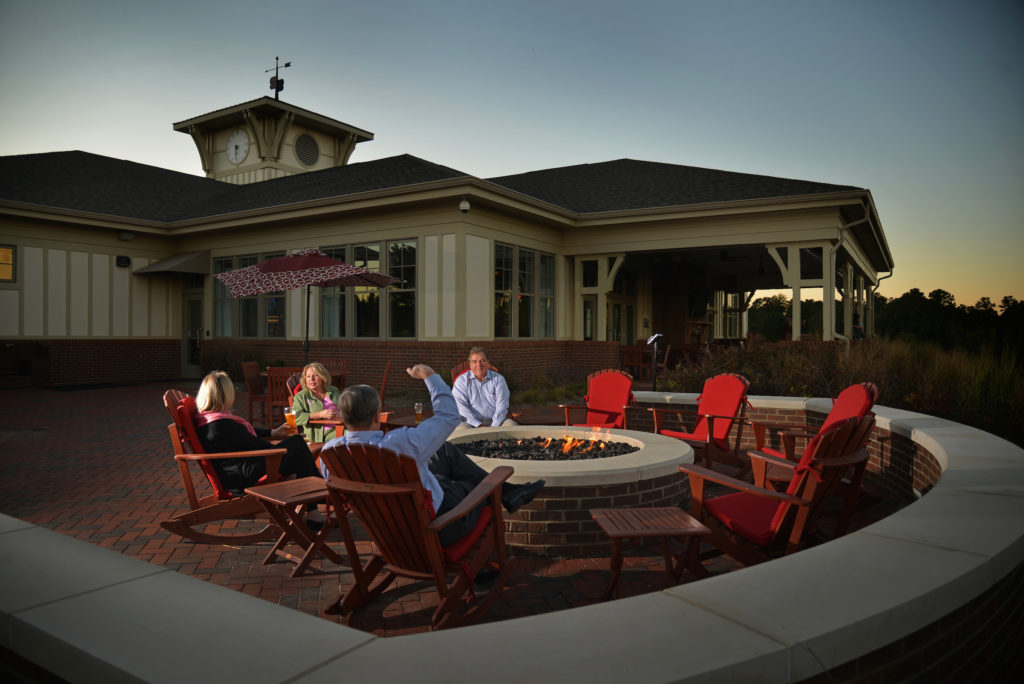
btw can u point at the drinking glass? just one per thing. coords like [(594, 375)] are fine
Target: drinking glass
[(418, 408), (289, 417)]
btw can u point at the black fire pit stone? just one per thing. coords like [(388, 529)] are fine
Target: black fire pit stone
[(534, 449)]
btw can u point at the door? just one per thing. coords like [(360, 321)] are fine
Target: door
[(621, 319), (192, 335)]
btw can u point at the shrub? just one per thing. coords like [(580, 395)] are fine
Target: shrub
[(979, 389)]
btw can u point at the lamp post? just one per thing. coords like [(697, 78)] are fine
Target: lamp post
[(653, 339)]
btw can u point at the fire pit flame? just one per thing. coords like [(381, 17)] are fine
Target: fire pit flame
[(547, 448)]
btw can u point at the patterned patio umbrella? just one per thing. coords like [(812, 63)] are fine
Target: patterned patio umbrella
[(304, 268)]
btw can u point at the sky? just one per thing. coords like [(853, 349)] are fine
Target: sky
[(919, 101)]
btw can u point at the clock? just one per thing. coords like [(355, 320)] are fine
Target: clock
[(238, 146)]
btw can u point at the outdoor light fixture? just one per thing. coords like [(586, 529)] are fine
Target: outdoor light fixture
[(464, 206), (653, 339)]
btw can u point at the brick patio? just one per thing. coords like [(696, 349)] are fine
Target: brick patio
[(95, 463)]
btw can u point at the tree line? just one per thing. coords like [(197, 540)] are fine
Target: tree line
[(912, 317)]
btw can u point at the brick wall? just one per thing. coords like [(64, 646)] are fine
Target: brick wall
[(91, 361), (979, 642), (520, 362)]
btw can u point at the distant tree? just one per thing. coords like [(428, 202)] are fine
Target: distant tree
[(942, 298), (767, 317), (985, 304), (1007, 302)]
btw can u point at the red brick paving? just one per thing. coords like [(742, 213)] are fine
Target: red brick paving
[(95, 463)]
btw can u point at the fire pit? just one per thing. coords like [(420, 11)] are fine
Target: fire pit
[(557, 523), (568, 448)]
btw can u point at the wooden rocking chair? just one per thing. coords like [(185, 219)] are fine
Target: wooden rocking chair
[(279, 391), (609, 393), (383, 489), (722, 402), (757, 523), (221, 504)]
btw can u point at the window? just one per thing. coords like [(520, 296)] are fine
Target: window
[(502, 291), (527, 292), (366, 311), (367, 299), (7, 273), (733, 312), (332, 302), (402, 295), (524, 292), (546, 303), (260, 315)]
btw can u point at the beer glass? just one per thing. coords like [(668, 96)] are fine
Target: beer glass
[(289, 417), (418, 408)]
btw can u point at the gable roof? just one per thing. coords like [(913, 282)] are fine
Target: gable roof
[(86, 182), (628, 184), (91, 183)]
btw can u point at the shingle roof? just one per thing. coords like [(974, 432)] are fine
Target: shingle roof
[(82, 181), (87, 182), (628, 184)]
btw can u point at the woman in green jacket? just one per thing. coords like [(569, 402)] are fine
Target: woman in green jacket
[(317, 400)]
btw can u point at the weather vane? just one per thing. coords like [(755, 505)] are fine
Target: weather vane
[(277, 83)]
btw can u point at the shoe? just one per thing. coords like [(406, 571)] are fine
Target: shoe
[(520, 495), (315, 525)]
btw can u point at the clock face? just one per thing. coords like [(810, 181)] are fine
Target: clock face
[(238, 146)]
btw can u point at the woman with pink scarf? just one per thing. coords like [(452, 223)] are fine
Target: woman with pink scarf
[(220, 430)]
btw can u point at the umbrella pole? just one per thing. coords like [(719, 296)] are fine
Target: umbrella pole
[(305, 347)]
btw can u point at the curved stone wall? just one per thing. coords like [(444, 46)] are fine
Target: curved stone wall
[(885, 601)]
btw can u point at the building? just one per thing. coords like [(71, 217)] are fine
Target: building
[(106, 265)]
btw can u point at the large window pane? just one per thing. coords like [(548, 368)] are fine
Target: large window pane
[(332, 302), (502, 291), (367, 313), (547, 296), (527, 288), (403, 314), (248, 317), (332, 312), (275, 315), (223, 304), (402, 295), (367, 299)]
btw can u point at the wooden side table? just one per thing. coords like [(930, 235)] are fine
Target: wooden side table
[(286, 503), (668, 523)]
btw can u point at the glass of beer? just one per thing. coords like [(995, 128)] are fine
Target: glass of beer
[(418, 408), (289, 417)]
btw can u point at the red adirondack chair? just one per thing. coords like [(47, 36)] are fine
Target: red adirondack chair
[(609, 393), (384, 491), (221, 504), (757, 523), (721, 404)]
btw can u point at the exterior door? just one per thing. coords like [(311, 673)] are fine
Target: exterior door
[(192, 335), (621, 319)]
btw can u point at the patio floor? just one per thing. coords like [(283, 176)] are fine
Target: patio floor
[(95, 463)]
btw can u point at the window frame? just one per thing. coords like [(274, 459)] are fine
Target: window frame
[(348, 296), (538, 291), (246, 312), (13, 279)]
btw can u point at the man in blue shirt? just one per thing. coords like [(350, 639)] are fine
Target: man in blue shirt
[(446, 472), (481, 393)]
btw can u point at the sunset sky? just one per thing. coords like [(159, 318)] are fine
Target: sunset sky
[(920, 101)]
